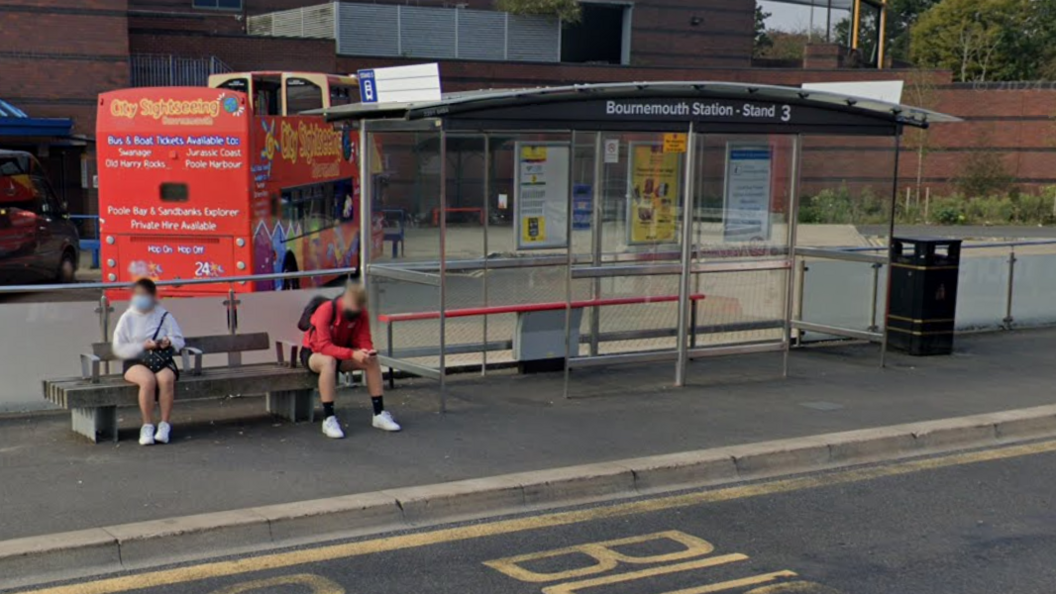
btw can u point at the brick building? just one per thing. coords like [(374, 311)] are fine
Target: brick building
[(56, 56)]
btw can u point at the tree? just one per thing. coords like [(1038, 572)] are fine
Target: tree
[(921, 91), (763, 41), (901, 16), (568, 11), (980, 40), (788, 45)]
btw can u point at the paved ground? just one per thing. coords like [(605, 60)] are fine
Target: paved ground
[(971, 523), (223, 459)]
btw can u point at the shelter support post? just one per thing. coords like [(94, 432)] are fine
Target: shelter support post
[(487, 222), (366, 191), (443, 270), (687, 254), (569, 259), (790, 259), (890, 238), (596, 238)]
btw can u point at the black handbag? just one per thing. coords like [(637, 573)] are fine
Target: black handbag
[(158, 359)]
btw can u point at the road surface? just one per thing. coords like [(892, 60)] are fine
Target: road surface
[(968, 523)]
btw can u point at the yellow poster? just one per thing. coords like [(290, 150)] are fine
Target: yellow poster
[(655, 194), (533, 229), (674, 143)]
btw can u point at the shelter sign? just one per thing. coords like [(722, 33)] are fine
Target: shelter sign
[(746, 204), (654, 194), (541, 198)]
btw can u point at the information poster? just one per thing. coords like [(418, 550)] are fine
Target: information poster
[(655, 191), (746, 204), (541, 200)]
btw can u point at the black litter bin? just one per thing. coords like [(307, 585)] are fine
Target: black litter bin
[(923, 294)]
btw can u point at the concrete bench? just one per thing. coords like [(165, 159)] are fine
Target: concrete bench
[(93, 398)]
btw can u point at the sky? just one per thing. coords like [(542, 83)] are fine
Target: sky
[(790, 17)]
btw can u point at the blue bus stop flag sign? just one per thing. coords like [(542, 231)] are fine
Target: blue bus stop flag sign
[(368, 90)]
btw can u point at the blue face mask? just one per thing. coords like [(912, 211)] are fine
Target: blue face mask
[(142, 303)]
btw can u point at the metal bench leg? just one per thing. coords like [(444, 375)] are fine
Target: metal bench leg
[(292, 405), (94, 423)]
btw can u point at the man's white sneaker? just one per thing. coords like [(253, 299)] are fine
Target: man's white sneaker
[(385, 422), (146, 435), (162, 436), (332, 428)]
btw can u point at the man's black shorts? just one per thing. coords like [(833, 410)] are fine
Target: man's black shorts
[(306, 354)]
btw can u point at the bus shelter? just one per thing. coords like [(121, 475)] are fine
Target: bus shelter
[(612, 232)]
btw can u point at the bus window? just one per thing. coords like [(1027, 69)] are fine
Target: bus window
[(266, 98), (236, 84), (302, 95), (340, 95)]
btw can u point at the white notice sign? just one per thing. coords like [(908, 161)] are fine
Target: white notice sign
[(541, 197), (746, 206)]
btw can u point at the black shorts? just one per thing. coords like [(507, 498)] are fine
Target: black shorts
[(130, 363), (306, 353)]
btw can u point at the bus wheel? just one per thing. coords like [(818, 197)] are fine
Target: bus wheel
[(290, 265)]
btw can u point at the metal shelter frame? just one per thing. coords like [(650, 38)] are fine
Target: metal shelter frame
[(691, 108)]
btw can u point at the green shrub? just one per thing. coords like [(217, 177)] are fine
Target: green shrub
[(990, 211), (839, 206)]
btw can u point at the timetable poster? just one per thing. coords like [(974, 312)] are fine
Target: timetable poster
[(542, 199)]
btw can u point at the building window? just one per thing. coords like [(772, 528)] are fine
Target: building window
[(218, 4)]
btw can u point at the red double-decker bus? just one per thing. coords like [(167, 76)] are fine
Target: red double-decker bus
[(226, 180)]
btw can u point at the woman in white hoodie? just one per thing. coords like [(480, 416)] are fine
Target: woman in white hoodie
[(144, 328)]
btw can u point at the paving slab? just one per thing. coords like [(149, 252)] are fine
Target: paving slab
[(227, 456)]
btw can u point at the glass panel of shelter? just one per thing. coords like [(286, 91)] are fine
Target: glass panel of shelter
[(403, 247), (741, 265), (627, 218)]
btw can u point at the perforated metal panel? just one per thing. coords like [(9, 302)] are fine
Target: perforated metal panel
[(481, 35), (318, 21), (534, 39), (309, 22), (368, 30), (427, 32), (440, 33)]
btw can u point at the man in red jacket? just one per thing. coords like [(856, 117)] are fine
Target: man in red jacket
[(339, 340)]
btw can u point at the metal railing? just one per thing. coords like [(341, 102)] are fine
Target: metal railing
[(878, 262), (156, 70), (315, 22)]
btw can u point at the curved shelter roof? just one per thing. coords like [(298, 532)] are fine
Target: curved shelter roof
[(655, 106)]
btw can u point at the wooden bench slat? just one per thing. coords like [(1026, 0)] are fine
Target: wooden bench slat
[(244, 371), (197, 387), (210, 345)]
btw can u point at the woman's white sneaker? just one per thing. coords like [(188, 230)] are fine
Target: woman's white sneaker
[(385, 422), (162, 436), (332, 428), (146, 435)]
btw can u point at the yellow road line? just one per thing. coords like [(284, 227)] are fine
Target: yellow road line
[(168, 577), (630, 576)]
